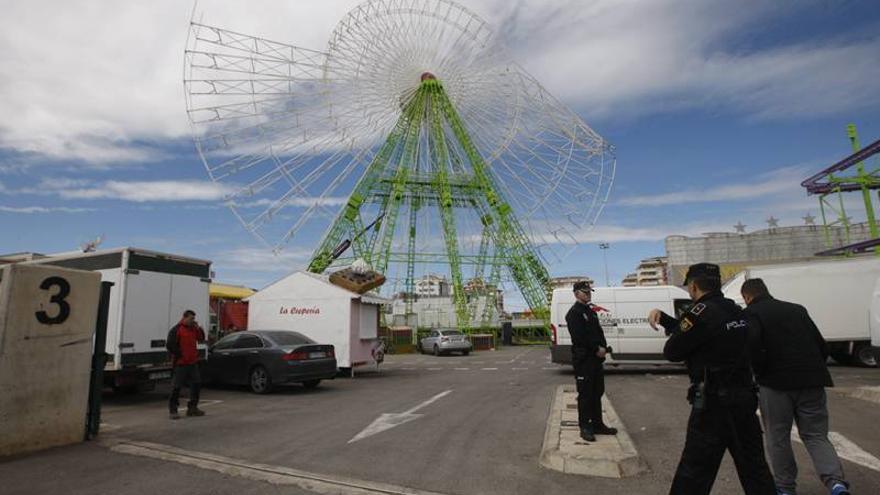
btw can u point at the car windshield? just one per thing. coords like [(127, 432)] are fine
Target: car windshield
[(451, 332), (283, 338)]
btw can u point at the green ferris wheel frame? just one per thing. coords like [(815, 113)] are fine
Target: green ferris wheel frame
[(392, 179)]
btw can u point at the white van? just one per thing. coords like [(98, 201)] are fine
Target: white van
[(838, 293), (623, 313)]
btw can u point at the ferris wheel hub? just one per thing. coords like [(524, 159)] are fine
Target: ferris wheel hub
[(427, 75)]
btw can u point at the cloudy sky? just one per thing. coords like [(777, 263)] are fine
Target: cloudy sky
[(717, 112)]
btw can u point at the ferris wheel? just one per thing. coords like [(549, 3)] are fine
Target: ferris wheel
[(412, 135)]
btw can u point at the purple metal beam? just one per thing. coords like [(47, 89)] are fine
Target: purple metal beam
[(813, 185), (858, 247)]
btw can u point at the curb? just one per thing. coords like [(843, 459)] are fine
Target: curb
[(564, 451)]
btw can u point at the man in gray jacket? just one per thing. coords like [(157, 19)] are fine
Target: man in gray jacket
[(788, 356)]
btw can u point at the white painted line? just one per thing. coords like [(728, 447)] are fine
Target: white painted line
[(275, 475), (479, 362), (462, 369), (489, 369), (434, 369), (408, 369), (389, 420), (846, 449), (550, 368), (519, 369)]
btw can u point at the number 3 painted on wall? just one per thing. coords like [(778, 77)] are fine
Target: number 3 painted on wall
[(58, 299)]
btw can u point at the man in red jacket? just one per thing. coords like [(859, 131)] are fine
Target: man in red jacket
[(182, 344)]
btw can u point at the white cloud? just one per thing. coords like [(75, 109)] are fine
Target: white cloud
[(297, 202), (101, 82), (43, 209), (135, 191), (262, 259), (766, 185)]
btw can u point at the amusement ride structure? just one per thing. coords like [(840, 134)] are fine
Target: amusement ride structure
[(412, 141)]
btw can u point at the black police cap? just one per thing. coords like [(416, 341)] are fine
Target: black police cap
[(708, 270), (582, 285)]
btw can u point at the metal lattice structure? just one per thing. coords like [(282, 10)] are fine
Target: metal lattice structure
[(415, 115), (831, 184)]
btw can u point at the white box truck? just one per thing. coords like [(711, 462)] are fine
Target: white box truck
[(623, 314), (150, 293), (838, 294)]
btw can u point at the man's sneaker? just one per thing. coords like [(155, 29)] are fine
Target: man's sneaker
[(174, 415), (195, 412), (604, 430), (839, 489), (587, 435)]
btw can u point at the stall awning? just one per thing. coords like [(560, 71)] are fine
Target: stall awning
[(229, 291)]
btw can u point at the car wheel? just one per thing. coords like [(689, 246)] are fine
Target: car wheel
[(864, 355), (260, 381), (311, 383), (436, 350), (465, 353)]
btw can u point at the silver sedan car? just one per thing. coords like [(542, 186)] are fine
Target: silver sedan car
[(446, 341)]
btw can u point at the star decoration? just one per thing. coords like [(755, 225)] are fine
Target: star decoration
[(773, 222), (809, 219), (740, 228)]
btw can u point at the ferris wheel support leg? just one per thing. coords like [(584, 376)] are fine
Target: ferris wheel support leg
[(447, 214)]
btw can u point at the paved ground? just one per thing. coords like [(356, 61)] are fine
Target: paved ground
[(481, 434)]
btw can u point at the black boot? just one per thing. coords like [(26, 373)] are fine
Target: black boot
[(604, 430), (587, 434)]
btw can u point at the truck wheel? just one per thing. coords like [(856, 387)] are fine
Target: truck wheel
[(260, 381), (311, 383), (865, 356)]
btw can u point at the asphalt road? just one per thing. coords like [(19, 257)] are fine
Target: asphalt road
[(481, 434)]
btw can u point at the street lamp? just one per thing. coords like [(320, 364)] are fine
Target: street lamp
[(604, 247)]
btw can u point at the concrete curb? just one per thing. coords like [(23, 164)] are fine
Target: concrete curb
[(563, 450)]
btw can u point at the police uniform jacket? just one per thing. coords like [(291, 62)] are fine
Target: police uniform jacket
[(712, 339), (787, 350), (586, 332)]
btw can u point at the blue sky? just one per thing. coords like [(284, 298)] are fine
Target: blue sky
[(717, 113)]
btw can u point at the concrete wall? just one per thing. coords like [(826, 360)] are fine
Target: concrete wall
[(44, 365), (734, 251)]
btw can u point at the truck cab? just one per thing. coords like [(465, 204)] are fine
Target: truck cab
[(623, 314)]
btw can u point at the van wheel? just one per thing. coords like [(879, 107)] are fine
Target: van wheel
[(260, 381), (865, 355)]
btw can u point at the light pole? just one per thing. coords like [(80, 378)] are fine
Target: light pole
[(604, 247)]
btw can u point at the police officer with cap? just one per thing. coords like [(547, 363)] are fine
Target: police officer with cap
[(588, 352), (711, 338)]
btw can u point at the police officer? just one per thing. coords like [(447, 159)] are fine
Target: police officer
[(588, 352), (712, 339)]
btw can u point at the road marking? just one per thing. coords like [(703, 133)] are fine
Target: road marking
[(550, 368), (846, 449), (489, 369), (519, 369), (462, 369), (276, 475), (408, 369), (389, 420), (434, 369)]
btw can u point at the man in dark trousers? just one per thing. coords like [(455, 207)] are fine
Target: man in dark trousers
[(182, 345), (588, 350), (788, 356), (712, 339)]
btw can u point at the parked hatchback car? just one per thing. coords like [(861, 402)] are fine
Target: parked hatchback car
[(445, 341), (262, 359)]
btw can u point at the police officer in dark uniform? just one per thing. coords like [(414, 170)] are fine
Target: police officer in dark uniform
[(588, 352), (711, 338)]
